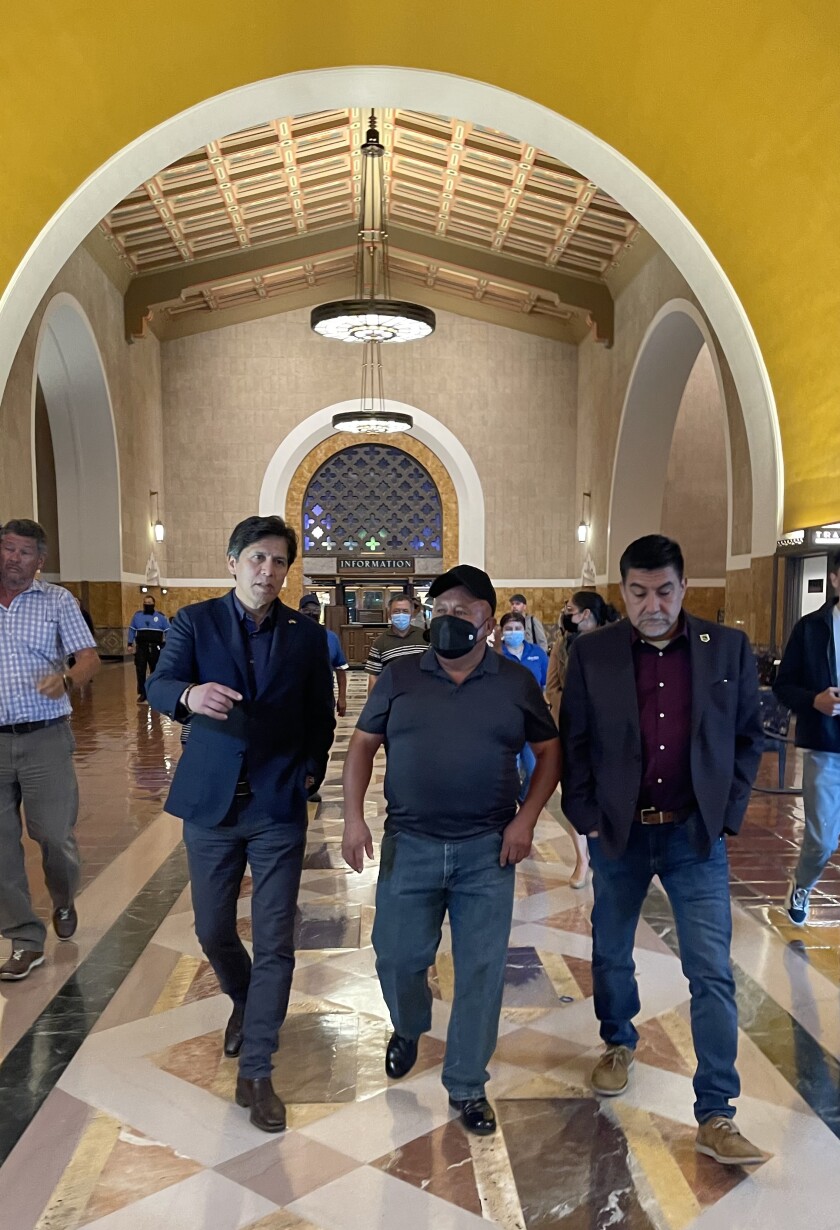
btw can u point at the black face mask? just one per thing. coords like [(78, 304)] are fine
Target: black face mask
[(148, 610), (569, 626), (452, 637)]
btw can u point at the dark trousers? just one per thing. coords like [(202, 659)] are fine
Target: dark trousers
[(217, 859), (146, 655)]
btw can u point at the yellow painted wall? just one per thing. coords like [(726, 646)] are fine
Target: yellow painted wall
[(731, 108)]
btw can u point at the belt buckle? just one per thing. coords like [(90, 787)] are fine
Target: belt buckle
[(650, 811)]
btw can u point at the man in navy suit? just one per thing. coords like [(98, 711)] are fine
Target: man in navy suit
[(661, 742), (253, 678)]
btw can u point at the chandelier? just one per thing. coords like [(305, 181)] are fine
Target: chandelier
[(372, 418), (372, 315)]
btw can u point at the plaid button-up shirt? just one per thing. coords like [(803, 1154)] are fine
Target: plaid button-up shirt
[(38, 632)]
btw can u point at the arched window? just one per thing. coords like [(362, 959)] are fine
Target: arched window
[(372, 498)]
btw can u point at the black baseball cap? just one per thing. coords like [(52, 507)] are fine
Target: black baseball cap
[(472, 578), (309, 600), (518, 598)]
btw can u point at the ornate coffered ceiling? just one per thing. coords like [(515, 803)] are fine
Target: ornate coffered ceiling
[(478, 221)]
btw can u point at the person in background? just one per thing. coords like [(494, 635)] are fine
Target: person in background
[(807, 682), (40, 628), (400, 641), (147, 633), (87, 617), (584, 612), (534, 659), (418, 619), (311, 606), (534, 631)]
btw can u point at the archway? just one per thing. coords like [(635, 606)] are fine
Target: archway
[(68, 367), (474, 100), (661, 372), (446, 447)]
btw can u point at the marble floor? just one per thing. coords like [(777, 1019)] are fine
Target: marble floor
[(117, 1106)]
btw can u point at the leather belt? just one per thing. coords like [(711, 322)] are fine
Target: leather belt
[(26, 728), (243, 790), (649, 815)]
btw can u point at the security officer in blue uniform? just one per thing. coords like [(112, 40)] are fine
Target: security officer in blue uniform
[(146, 632)]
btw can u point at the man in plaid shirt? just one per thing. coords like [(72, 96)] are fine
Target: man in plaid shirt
[(41, 626)]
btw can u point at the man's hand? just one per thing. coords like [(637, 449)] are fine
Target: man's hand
[(516, 841), (341, 707), (52, 686), (212, 700), (356, 843), (828, 702)]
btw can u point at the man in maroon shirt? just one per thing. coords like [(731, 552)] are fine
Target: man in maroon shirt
[(661, 742)]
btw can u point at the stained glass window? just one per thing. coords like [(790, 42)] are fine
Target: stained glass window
[(372, 498)]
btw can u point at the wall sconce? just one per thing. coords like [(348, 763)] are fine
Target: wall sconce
[(585, 514), (144, 589), (157, 525), (164, 590)]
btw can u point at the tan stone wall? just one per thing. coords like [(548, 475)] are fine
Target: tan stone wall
[(749, 595), (336, 444), (133, 377), (694, 506), (232, 396)]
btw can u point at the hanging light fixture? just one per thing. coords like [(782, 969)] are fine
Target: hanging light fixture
[(372, 418), (157, 525), (372, 315)]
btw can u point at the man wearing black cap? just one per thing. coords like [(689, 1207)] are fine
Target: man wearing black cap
[(455, 719), (534, 631)]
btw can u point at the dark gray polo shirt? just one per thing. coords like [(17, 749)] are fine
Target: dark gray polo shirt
[(451, 749)]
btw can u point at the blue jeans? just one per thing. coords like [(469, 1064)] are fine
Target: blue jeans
[(419, 880), (217, 859), (698, 889), (821, 801)]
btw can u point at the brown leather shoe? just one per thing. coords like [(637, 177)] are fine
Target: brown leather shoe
[(267, 1111), (234, 1031), (20, 964), (65, 921)]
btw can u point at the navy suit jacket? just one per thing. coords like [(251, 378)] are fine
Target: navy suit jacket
[(602, 742), (284, 732)]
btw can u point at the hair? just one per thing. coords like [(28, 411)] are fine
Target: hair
[(512, 617), (603, 611), (395, 598), (24, 528), (651, 553), (149, 598), (252, 529), (834, 561)]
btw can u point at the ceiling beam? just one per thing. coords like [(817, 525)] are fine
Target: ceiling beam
[(147, 291)]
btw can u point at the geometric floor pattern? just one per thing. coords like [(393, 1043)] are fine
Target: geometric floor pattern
[(142, 1130)]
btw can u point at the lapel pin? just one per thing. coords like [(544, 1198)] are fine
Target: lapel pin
[(294, 621), (704, 637)]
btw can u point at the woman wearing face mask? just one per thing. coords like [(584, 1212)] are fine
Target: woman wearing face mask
[(515, 646), (584, 612)]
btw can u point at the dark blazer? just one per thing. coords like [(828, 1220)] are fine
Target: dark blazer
[(602, 746), (284, 732), (808, 667)]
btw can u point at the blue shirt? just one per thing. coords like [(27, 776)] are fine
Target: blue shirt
[(257, 643), (337, 659), (39, 630), (533, 657), (141, 622)]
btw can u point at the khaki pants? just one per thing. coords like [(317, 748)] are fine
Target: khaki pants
[(36, 771)]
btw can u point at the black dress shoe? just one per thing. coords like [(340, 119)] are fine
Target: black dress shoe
[(267, 1111), (400, 1056), (234, 1032), (477, 1115)]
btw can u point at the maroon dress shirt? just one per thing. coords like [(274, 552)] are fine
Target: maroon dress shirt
[(663, 689)]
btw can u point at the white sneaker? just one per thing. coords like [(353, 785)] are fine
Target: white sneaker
[(797, 904)]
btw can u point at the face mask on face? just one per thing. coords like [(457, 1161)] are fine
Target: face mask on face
[(452, 637), (401, 621), (514, 638), (148, 610), (569, 626)]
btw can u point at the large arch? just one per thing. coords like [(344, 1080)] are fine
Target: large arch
[(474, 100), (69, 368), (660, 373), (446, 446)]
